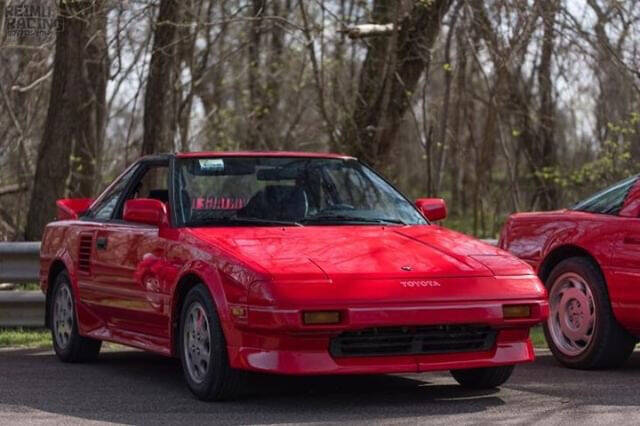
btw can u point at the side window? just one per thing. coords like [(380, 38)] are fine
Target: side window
[(105, 209), (154, 183)]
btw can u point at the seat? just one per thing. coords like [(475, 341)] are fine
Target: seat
[(277, 202), (159, 194)]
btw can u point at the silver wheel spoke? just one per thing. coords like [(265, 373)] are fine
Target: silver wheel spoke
[(63, 316), (573, 315), (197, 343)]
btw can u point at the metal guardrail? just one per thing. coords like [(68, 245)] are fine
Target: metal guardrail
[(22, 309), (20, 263)]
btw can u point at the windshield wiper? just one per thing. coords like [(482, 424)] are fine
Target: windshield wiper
[(232, 220), (351, 219)]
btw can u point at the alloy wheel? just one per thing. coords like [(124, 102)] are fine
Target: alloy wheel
[(197, 342), (63, 316), (572, 318)]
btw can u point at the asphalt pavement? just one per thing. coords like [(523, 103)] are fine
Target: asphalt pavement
[(132, 387)]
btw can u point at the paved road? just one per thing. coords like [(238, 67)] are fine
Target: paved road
[(133, 387)]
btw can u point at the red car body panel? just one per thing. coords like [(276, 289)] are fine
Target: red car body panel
[(612, 241), (130, 292)]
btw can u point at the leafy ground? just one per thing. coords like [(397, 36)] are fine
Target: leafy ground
[(41, 338)]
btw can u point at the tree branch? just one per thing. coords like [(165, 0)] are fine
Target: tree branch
[(23, 89), (368, 30), (12, 189)]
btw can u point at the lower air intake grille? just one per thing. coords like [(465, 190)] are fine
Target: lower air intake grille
[(429, 339)]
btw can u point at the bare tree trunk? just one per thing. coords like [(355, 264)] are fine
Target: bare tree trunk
[(317, 76), (389, 78), (87, 148), (457, 146), (71, 107), (159, 123), (546, 114), (444, 121), (256, 134)]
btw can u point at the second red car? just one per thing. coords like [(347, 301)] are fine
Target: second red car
[(589, 258)]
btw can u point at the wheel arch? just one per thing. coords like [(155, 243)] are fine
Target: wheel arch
[(189, 279), (560, 253), (57, 266)]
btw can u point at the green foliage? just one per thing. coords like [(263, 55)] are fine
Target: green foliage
[(25, 338), (425, 3), (614, 161), (537, 337)]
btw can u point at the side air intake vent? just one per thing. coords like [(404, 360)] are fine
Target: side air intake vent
[(84, 253)]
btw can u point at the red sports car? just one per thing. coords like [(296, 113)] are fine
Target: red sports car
[(589, 258), (290, 263)]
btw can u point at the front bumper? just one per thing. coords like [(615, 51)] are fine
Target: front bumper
[(276, 341)]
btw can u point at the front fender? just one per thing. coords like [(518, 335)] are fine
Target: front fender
[(209, 276), (224, 287)]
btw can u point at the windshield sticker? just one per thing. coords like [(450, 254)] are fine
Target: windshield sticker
[(211, 164)]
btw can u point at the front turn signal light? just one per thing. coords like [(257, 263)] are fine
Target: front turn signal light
[(516, 311), (238, 311), (321, 317)]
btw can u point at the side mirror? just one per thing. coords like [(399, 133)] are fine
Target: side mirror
[(146, 210), (433, 209), (72, 208)]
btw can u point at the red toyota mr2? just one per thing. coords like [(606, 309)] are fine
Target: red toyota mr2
[(589, 258), (287, 263)]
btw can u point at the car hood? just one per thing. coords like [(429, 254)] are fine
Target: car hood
[(375, 252)]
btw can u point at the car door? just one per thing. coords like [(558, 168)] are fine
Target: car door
[(623, 274), (128, 264), (91, 293)]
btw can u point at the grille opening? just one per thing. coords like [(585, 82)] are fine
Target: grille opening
[(413, 340)]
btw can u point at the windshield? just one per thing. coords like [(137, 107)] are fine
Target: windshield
[(293, 191), (607, 201)]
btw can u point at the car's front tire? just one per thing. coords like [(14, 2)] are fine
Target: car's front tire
[(203, 350), (67, 342), (483, 378), (581, 330)]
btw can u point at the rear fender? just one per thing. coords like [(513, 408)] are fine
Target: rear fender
[(63, 256)]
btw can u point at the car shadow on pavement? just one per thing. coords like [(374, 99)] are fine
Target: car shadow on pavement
[(134, 387), (610, 387)]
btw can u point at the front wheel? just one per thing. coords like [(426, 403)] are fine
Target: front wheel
[(67, 342), (483, 378), (581, 330), (203, 350)]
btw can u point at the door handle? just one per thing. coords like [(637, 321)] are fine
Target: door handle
[(632, 241), (101, 243)]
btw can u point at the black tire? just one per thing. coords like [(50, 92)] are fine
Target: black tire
[(483, 378), (610, 345), (220, 382), (76, 348)]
